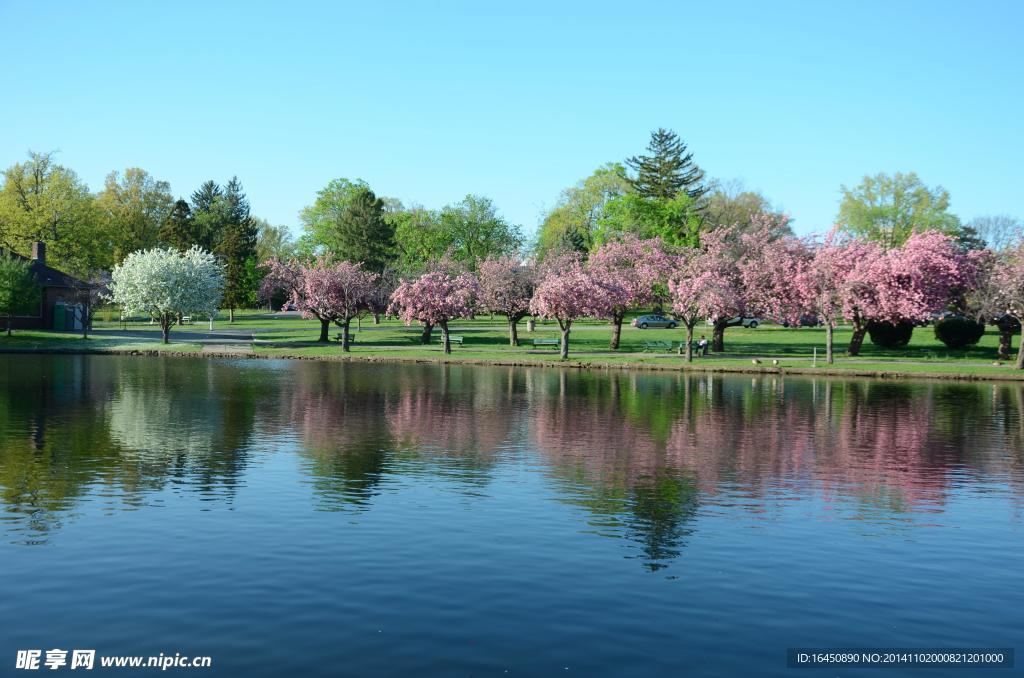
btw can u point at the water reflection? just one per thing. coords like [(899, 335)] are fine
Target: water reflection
[(640, 457)]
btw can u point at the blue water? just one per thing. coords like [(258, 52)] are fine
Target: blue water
[(307, 519)]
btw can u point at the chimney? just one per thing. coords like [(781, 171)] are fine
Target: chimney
[(39, 252)]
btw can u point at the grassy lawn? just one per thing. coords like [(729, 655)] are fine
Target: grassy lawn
[(486, 340)]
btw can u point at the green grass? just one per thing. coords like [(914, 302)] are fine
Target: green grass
[(486, 340)]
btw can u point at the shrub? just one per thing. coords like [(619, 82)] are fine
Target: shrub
[(890, 335), (957, 331)]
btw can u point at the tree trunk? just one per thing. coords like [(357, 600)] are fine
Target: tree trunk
[(689, 343), (1005, 340), (1020, 353), (565, 339), (513, 332), (165, 327), (10, 321), (616, 330), (444, 338), (718, 336), (344, 334), (376, 318), (428, 329), (860, 328), (86, 319), (181, 318), (828, 342), (325, 328), (231, 314)]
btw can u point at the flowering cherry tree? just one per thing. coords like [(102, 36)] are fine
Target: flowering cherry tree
[(353, 289), (163, 283), (380, 298), (722, 250), (436, 298), (997, 295), (506, 287), (569, 291), (634, 268), (322, 290), (695, 292), (907, 283)]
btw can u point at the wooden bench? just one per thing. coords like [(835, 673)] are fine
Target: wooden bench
[(657, 346), (452, 339), (351, 337), (546, 342)]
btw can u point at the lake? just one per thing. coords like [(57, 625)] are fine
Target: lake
[(311, 518)]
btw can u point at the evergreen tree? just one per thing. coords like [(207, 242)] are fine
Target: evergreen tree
[(178, 229), (235, 245), (668, 170), (363, 234), (207, 220)]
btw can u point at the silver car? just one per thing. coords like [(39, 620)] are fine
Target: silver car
[(645, 321)]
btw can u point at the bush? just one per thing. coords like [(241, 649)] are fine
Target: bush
[(957, 331), (890, 335)]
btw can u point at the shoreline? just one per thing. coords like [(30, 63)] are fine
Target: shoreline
[(1013, 376)]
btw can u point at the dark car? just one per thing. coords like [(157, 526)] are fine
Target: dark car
[(808, 320)]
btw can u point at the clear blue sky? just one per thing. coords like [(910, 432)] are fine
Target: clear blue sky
[(429, 101)]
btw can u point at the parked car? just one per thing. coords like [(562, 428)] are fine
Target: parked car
[(752, 323), (654, 320), (809, 320)]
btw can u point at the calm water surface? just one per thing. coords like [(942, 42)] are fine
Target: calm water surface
[(302, 518)]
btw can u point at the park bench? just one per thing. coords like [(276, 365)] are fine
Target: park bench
[(546, 342), (452, 339), (351, 337), (657, 346), (186, 320)]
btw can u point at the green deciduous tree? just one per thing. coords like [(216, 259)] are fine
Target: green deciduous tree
[(135, 206), (728, 203), (572, 222), (474, 230), (888, 209), (675, 221), (418, 237), (668, 171), (19, 291), (41, 200), (320, 221), (273, 242)]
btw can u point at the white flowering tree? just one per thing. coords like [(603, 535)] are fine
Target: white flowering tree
[(163, 283)]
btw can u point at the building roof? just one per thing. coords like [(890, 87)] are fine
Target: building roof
[(47, 275)]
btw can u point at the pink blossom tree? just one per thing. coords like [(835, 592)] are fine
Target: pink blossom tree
[(907, 283), (353, 288), (380, 298), (821, 284), (436, 298), (997, 295), (506, 287), (695, 292), (569, 291), (322, 290), (633, 266)]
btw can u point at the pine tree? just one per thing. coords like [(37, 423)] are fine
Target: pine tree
[(235, 245), (178, 229), (668, 171), (364, 235), (207, 222)]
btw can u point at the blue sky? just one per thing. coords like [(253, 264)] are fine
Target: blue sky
[(429, 101)]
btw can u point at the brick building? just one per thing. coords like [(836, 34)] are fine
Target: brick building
[(58, 295)]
